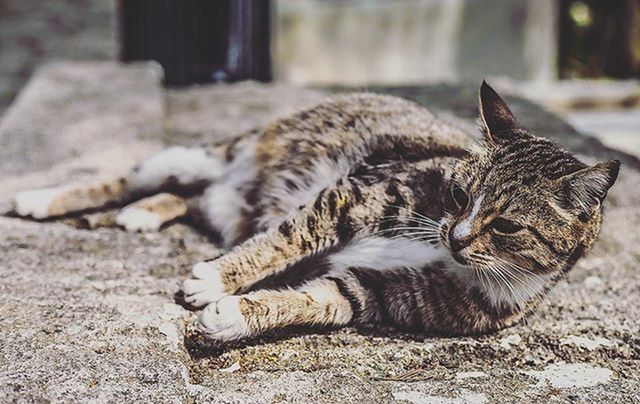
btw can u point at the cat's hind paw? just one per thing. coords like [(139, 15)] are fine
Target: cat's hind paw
[(135, 219), (224, 321), (36, 203), (149, 214), (205, 286)]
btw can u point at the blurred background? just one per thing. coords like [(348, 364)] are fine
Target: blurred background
[(579, 58)]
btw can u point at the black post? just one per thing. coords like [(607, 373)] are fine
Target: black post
[(198, 41), (605, 45)]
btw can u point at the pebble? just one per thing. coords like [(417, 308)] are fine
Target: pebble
[(583, 342), (470, 375), (416, 397), (233, 368), (513, 339), (566, 375), (593, 282)]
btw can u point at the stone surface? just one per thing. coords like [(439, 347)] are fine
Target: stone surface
[(69, 103), (201, 114), (618, 128), (89, 315)]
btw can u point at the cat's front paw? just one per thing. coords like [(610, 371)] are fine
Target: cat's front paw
[(36, 203), (224, 321), (205, 286)]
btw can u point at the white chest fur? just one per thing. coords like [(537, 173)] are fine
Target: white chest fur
[(386, 254)]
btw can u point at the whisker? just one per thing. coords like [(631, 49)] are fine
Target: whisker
[(412, 234), (496, 280), (527, 289), (413, 212), (510, 287), (506, 278), (527, 274), (545, 283), (420, 225), (385, 219)]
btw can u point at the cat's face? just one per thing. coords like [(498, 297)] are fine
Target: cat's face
[(520, 204)]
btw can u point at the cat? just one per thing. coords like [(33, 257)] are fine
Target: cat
[(389, 214)]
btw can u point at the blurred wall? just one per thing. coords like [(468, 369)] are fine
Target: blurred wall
[(318, 41), (34, 31), (409, 41)]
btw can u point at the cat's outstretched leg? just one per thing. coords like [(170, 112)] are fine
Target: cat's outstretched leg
[(149, 214), (318, 303), (49, 202), (342, 297), (416, 298), (176, 168)]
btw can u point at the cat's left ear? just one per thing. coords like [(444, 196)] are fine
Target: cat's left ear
[(497, 118), (586, 189)]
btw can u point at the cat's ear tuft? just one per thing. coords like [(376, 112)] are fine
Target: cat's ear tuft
[(586, 189), (497, 118)]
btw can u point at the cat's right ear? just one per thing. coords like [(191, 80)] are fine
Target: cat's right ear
[(586, 189), (497, 119)]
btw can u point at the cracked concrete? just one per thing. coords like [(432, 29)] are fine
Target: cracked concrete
[(89, 314)]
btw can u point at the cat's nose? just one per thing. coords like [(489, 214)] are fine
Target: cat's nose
[(458, 244)]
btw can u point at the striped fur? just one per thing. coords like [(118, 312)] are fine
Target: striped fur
[(368, 208)]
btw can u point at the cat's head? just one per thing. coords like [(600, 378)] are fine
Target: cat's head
[(520, 203)]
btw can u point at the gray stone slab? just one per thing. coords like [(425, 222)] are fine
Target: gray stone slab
[(73, 108), (201, 114), (618, 128), (89, 315)]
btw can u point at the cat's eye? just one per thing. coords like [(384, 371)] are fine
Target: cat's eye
[(505, 226), (460, 196)]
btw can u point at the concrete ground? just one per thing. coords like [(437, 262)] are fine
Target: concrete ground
[(89, 314)]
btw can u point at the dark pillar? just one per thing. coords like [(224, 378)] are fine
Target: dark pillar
[(198, 41), (606, 46)]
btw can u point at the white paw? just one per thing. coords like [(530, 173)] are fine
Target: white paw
[(205, 287), (138, 219), (223, 320), (36, 203)]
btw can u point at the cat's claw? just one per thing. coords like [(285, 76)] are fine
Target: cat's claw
[(205, 287), (223, 320)]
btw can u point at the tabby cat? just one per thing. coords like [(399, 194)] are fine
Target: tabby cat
[(388, 214)]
